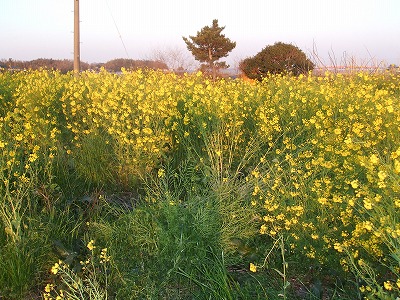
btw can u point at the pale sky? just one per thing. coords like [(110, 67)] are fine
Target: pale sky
[(367, 30)]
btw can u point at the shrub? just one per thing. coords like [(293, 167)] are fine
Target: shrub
[(275, 59)]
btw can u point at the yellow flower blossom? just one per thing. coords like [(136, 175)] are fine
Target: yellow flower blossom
[(263, 229), (19, 137), (337, 131), (367, 204), (55, 268), (374, 159), (354, 184), (396, 166), (368, 225), (91, 245), (338, 247), (253, 267), (382, 175), (48, 288), (397, 203), (388, 285), (161, 173)]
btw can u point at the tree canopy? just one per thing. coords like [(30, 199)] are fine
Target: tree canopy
[(278, 58), (209, 46), (115, 65), (67, 65)]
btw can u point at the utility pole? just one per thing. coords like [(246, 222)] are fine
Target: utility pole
[(77, 55)]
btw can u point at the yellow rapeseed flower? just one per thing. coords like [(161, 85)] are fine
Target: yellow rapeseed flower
[(337, 131), (388, 285), (263, 229), (315, 236), (323, 200), (160, 173), (354, 184), (103, 256), (374, 159), (338, 247), (48, 288), (368, 225), (396, 166), (397, 202), (253, 267), (91, 245), (55, 268), (382, 175), (367, 203), (19, 137)]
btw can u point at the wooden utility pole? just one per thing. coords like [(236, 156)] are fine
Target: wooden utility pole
[(77, 55)]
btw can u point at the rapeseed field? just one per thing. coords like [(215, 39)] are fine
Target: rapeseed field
[(147, 185)]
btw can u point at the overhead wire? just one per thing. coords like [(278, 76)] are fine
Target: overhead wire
[(116, 26)]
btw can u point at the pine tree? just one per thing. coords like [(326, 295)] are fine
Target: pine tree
[(209, 45)]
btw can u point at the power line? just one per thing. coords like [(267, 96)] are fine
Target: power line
[(119, 33)]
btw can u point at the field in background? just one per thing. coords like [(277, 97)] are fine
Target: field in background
[(147, 185)]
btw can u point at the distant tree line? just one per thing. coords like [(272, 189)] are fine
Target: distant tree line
[(115, 65), (66, 65), (208, 47)]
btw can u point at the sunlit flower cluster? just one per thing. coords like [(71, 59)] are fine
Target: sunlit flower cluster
[(88, 280), (333, 165)]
